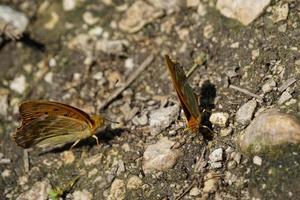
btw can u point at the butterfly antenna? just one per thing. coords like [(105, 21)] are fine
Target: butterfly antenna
[(107, 119)]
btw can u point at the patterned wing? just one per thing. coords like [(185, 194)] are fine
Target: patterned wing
[(185, 94), (31, 110), (50, 130)]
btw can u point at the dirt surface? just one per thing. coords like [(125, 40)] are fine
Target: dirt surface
[(63, 63)]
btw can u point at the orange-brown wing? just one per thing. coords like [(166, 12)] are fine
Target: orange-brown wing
[(51, 131), (185, 94), (33, 109)]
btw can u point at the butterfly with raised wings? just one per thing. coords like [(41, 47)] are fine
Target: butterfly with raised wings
[(186, 95)]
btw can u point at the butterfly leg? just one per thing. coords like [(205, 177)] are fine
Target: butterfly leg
[(75, 143), (96, 138)]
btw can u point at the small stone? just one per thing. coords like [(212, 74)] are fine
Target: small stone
[(129, 64), (68, 157), (285, 96), (69, 5), (192, 3), (231, 165), (162, 118), (92, 173), (211, 184), (160, 156), (52, 62), (113, 47), (255, 54), (117, 190), (282, 28), (54, 19), (270, 129), (235, 45), (89, 18), (96, 31), (138, 15), (6, 173), (242, 10), (16, 18), (280, 12), (216, 155), (216, 165), (219, 119), (208, 31), (18, 84), (245, 112), (226, 131), (5, 161), (268, 86), (49, 77), (3, 102), (126, 147), (257, 160), (195, 191), (23, 180), (134, 182), (82, 195), (202, 10), (168, 5), (237, 156), (98, 76), (38, 191), (140, 121)]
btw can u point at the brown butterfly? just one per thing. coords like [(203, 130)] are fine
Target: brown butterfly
[(186, 95), (47, 123)]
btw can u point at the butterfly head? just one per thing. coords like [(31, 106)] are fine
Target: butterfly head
[(98, 121)]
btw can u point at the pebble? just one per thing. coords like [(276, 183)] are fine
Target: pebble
[(38, 191), (216, 155), (231, 165), (192, 3), (270, 129), (208, 31), (219, 119), (140, 121), (5, 161), (18, 84), (280, 12), (117, 190), (129, 64), (202, 10), (216, 165), (268, 86), (245, 112), (82, 195), (242, 10), (285, 96), (49, 77), (3, 102), (52, 21), (138, 15), (226, 131), (168, 5), (16, 18), (211, 184), (195, 191), (6, 173), (68, 157), (161, 118), (257, 160), (160, 156), (134, 182), (89, 18), (69, 5), (113, 47)]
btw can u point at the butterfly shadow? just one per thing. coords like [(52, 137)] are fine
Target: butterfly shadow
[(104, 136), (208, 95)]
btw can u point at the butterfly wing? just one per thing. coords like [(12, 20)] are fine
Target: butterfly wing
[(31, 110), (50, 130), (185, 94)]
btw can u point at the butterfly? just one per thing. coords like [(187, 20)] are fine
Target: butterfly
[(48, 123), (186, 95)]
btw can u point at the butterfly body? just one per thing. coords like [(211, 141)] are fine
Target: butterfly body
[(186, 95), (47, 123)]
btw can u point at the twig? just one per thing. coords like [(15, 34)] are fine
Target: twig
[(286, 84), (186, 191), (26, 160), (130, 80), (242, 90), (200, 60)]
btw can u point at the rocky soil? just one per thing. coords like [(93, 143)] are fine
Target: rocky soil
[(106, 56)]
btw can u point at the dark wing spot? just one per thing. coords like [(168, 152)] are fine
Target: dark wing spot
[(46, 113), (66, 115), (56, 109)]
